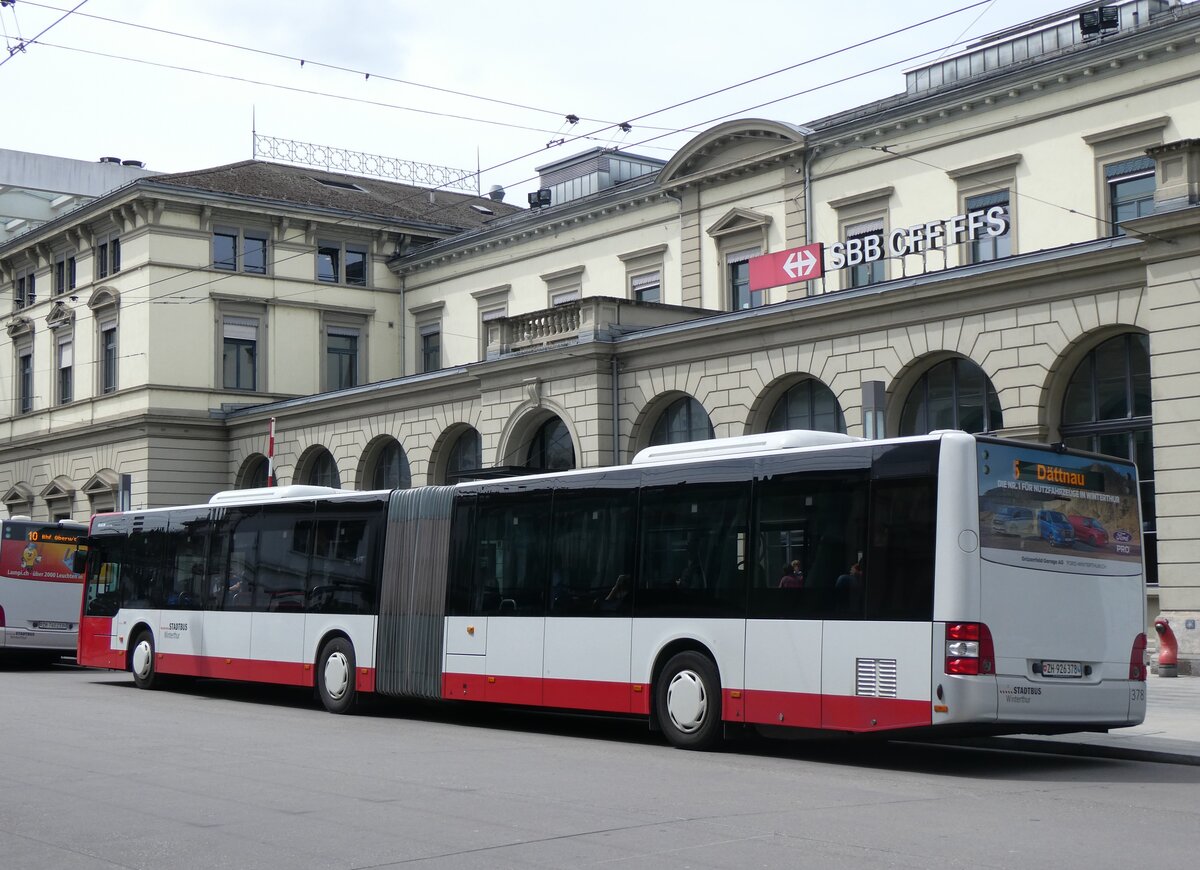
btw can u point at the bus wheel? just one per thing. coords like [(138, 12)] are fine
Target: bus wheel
[(688, 701), (335, 675), (141, 662)]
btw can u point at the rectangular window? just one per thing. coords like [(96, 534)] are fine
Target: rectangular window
[(239, 357), (356, 265), (737, 265), (60, 276), (694, 549), (71, 272), (593, 548), (342, 264), (254, 253), (812, 527), (341, 358), (25, 289), (868, 271), (66, 376), (985, 247), (102, 260), (234, 249), (107, 256), (108, 357), (225, 250), (431, 347), (512, 552), (25, 381), (329, 262), (1130, 191), (646, 287)]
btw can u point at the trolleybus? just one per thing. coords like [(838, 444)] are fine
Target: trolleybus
[(39, 586), (796, 581)]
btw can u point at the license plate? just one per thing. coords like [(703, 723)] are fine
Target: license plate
[(54, 626), (1062, 669)]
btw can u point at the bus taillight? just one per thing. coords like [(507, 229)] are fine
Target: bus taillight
[(969, 650), (1137, 659), (2, 620)]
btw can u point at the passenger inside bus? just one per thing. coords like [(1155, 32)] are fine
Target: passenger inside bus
[(793, 576)]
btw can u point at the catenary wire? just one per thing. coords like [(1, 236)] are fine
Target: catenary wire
[(20, 46)]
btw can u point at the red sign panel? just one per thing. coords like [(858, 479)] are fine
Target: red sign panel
[(787, 267)]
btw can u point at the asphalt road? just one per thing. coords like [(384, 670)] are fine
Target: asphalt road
[(95, 773)]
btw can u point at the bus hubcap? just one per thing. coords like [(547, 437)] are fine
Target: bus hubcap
[(337, 675), (687, 702), (141, 659)]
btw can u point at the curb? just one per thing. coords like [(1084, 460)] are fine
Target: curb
[(1082, 750)]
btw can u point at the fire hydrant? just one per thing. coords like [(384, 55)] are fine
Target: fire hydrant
[(1168, 649)]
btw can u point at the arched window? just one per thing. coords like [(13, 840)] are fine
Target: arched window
[(391, 468), (954, 394), (1106, 409), (255, 474), (684, 420), (551, 448), (465, 456), (807, 405), (323, 471)]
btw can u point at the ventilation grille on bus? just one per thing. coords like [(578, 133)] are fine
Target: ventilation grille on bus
[(875, 678)]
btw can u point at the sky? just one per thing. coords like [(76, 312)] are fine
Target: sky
[(377, 75)]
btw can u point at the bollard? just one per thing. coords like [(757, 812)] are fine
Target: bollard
[(1168, 649)]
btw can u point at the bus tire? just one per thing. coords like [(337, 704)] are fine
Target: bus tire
[(141, 662), (688, 701), (335, 675)]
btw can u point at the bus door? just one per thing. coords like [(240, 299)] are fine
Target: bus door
[(286, 536), (511, 560), (877, 642), (589, 621), (180, 632), (232, 565), (787, 601)]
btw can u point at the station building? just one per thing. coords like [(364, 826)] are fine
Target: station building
[(1009, 245)]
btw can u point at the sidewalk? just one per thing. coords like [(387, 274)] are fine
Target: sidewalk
[(1171, 732)]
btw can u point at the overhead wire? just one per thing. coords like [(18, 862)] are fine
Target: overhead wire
[(308, 61), (20, 46)]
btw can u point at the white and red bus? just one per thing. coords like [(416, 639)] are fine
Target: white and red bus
[(795, 580), (39, 586)]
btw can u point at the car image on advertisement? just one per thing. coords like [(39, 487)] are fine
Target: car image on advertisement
[(1088, 530), (1054, 527), (1013, 520)]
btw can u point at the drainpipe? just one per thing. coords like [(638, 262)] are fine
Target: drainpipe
[(808, 215), (616, 401)]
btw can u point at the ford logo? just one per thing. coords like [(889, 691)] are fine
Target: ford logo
[(1123, 536)]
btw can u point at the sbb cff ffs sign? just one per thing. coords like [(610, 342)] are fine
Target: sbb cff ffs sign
[(812, 261)]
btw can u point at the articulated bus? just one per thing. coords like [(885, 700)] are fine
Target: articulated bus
[(802, 582), (39, 586)]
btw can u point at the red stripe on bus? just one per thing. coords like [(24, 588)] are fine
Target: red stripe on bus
[(588, 695), (798, 709), (795, 709), (854, 713)]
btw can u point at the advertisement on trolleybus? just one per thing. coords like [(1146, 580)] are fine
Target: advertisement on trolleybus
[(797, 582)]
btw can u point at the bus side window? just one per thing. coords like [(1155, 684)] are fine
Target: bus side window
[(898, 572)]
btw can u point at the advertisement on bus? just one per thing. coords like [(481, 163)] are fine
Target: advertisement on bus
[(33, 552), (1058, 512)]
